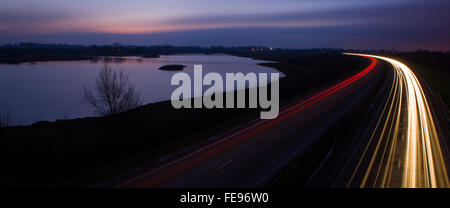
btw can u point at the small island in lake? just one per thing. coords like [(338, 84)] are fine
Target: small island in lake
[(172, 67)]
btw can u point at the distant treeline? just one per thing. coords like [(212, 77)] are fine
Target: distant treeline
[(31, 52)]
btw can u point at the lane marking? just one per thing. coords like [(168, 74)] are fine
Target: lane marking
[(271, 137), (223, 165)]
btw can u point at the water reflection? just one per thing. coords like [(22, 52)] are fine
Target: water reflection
[(51, 90)]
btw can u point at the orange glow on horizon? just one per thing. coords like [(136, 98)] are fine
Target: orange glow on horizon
[(140, 27)]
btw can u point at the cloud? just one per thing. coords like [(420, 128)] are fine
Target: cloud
[(26, 20), (402, 25), (416, 12), (28, 16)]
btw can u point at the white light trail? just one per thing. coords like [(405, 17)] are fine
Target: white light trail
[(419, 156)]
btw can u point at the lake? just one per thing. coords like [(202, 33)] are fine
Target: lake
[(47, 91)]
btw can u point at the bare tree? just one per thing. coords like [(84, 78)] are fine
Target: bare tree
[(111, 93)]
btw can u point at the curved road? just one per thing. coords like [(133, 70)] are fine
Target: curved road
[(398, 147), (404, 144), (406, 151), (253, 155)]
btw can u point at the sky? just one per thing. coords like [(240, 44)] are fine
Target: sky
[(356, 24)]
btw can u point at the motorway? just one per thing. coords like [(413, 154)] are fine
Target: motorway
[(404, 144), (253, 155), (399, 147), (407, 151)]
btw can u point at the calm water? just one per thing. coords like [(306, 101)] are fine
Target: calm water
[(40, 91)]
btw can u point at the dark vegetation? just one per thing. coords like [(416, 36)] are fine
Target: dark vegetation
[(83, 151), (32, 52), (173, 67)]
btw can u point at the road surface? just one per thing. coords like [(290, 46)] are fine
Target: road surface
[(407, 151), (404, 145), (255, 154), (398, 145)]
